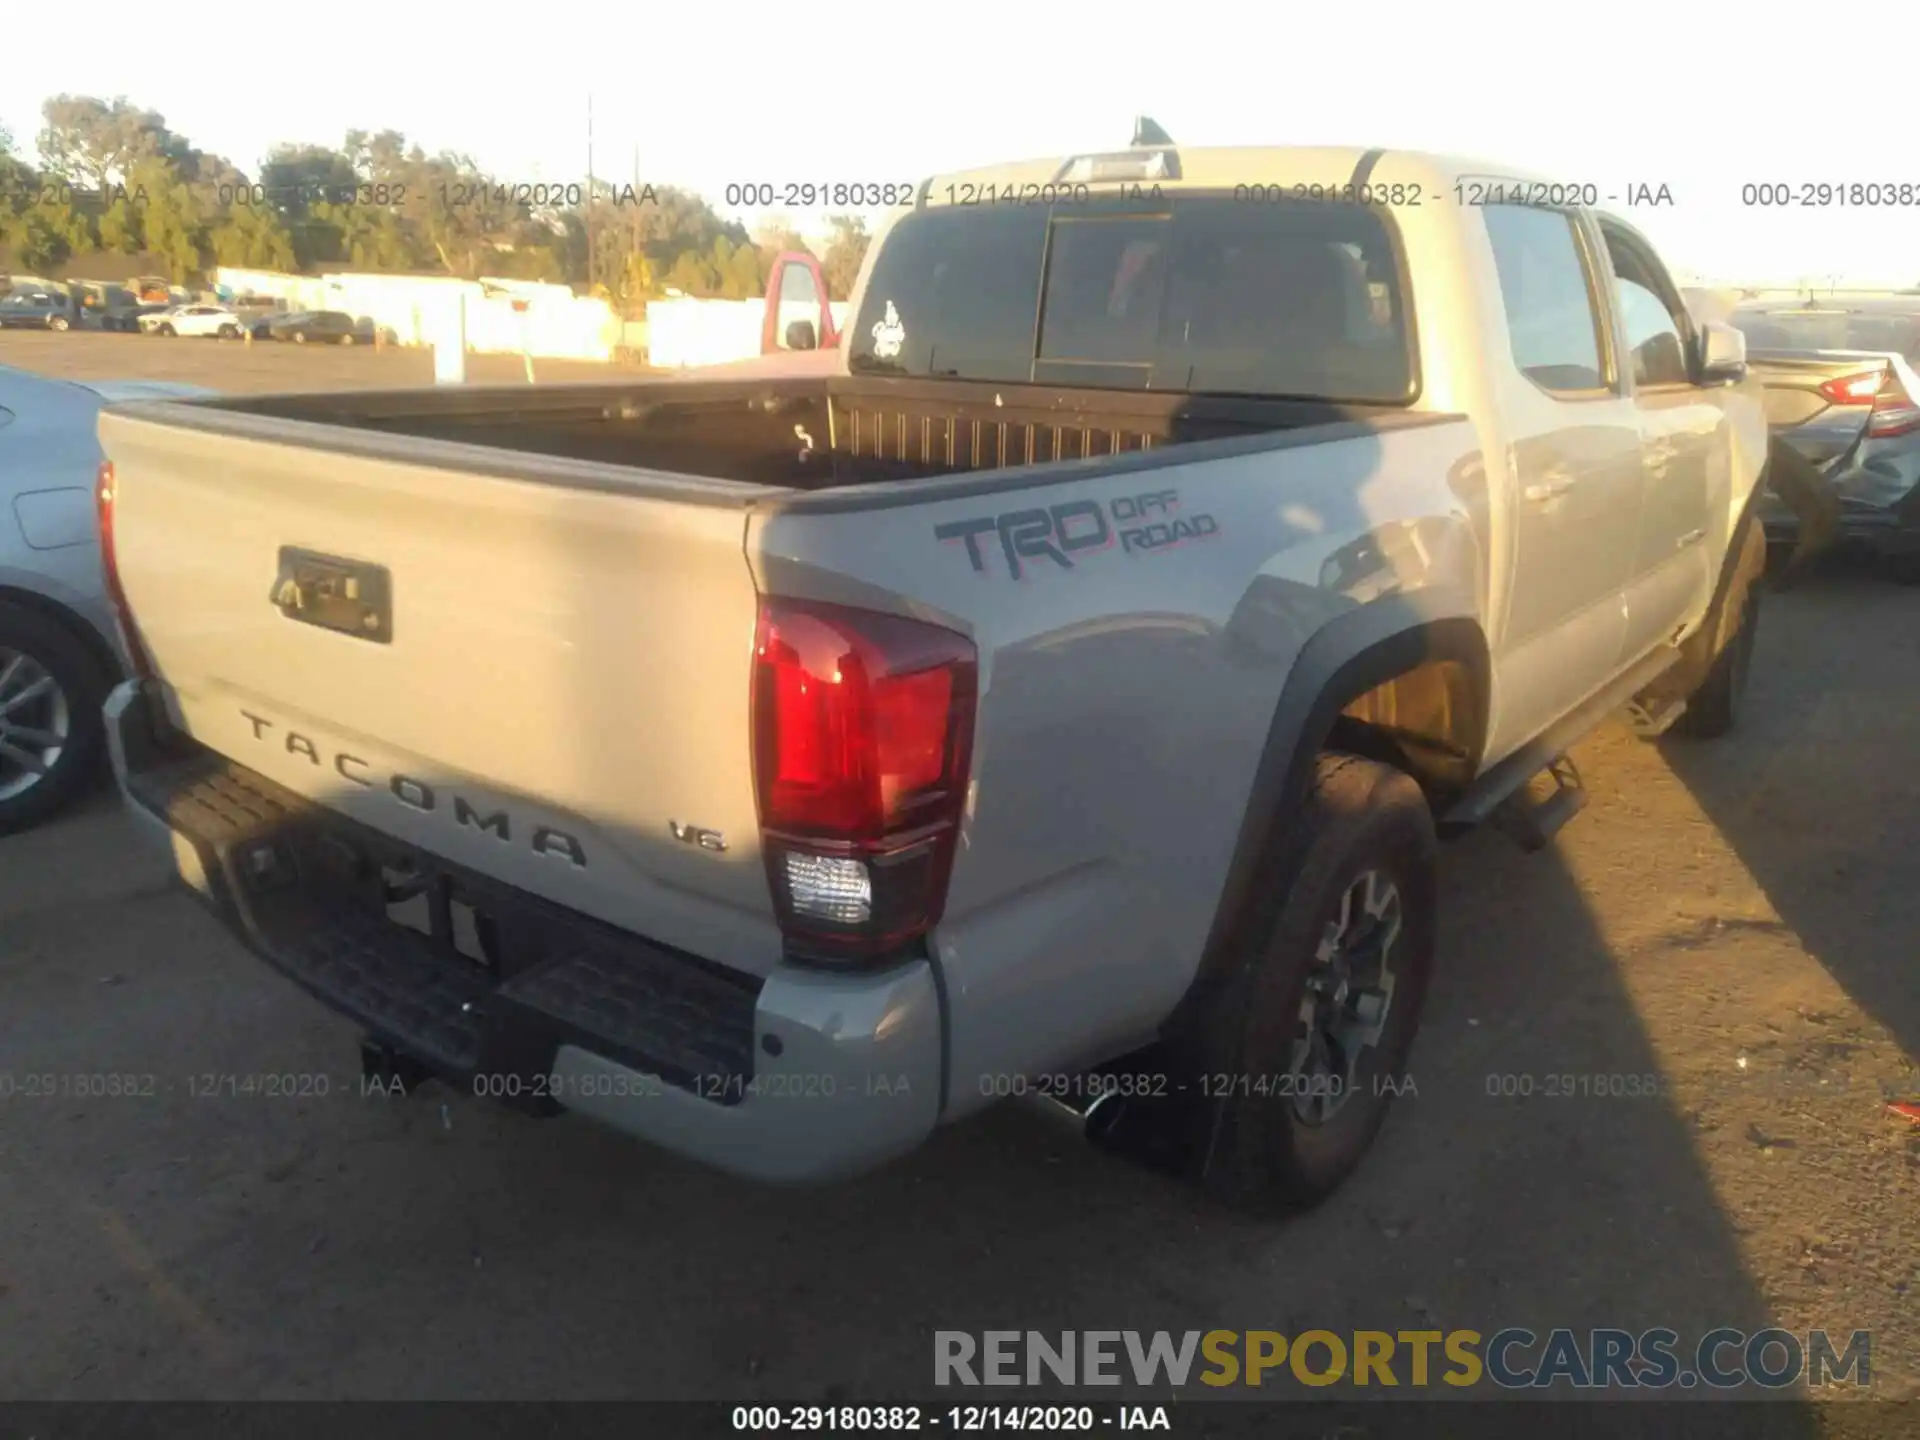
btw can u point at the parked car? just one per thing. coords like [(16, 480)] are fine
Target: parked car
[(1843, 389), (39, 311), (195, 320), (260, 325), (59, 652), (122, 318), (326, 327), (153, 316), (1130, 611)]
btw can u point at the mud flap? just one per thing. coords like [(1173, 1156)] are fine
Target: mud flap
[(1800, 486)]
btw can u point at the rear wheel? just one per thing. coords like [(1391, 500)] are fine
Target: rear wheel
[(229, 332), (58, 322), (299, 337), (165, 330), (1304, 1048), (51, 691), (1714, 709), (346, 339)]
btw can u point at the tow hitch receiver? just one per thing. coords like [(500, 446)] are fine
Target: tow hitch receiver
[(386, 1071)]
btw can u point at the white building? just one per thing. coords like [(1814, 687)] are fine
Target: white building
[(500, 315)]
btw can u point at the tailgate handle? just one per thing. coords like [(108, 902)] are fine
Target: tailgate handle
[(351, 597)]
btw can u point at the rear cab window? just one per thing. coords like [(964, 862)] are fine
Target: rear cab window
[(1194, 293)]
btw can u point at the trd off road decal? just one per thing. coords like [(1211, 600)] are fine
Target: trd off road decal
[(1138, 524)]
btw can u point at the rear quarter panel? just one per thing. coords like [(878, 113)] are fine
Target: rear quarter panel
[(49, 456), (1127, 695)]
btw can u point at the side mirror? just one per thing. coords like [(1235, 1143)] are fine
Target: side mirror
[(1723, 353), (800, 336)]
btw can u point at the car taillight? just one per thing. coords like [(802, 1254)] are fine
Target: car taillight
[(862, 736), (104, 492), (1852, 389), (1894, 410)]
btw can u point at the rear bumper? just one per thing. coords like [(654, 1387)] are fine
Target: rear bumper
[(1889, 531), (805, 1076)]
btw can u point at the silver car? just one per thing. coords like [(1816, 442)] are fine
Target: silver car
[(59, 651)]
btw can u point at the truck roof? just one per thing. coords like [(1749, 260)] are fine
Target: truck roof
[(1223, 167)]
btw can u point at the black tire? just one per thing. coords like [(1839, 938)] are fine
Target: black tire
[(229, 332), (1256, 1151), (1714, 709), (163, 330), (1779, 560), (74, 670)]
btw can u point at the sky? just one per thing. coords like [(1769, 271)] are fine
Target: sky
[(706, 95)]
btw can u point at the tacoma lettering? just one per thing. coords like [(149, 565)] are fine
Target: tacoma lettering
[(419, 795)]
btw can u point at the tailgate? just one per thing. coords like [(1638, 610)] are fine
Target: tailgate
[(536, 668)]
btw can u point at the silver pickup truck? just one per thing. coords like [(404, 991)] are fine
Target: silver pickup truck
[(1064, 695)]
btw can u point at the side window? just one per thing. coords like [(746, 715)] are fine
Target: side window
[(1551, 323), (1656, 336), (797, 287)]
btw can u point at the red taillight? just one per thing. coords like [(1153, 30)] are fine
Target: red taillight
[(104, 492), (863, 732), (1852, 389), (1894, 410)]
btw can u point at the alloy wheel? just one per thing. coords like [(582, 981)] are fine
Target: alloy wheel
[(1349, 994), (36, 723)]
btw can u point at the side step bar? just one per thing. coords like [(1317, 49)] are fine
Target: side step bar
[(1532, 824), (1504, 786), (1651, 723)]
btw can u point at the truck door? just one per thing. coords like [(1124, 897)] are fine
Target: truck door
[(1686, 449), (1572, 465), (797, 315)]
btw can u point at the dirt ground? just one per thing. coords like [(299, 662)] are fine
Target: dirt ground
[(1738, 918), (263, 366)]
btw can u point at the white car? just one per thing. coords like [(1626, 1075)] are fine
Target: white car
[(214, 320), (59, 652)]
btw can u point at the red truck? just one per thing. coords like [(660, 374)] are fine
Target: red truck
[(799, 315), (798, 335)]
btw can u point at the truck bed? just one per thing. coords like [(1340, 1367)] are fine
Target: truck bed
[(806, 434)]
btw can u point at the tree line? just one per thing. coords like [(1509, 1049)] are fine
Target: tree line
[(111, 177)]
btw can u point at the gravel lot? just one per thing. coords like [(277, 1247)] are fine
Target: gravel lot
[(1739, 918)]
